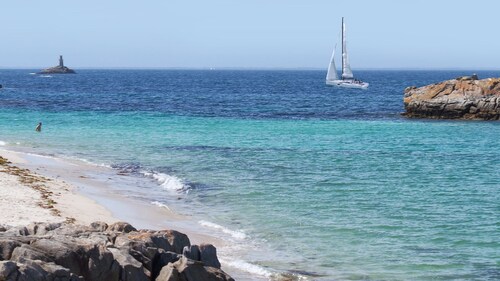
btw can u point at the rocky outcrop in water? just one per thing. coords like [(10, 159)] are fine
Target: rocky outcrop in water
[(60, 69), (461, 98), (101, 252)]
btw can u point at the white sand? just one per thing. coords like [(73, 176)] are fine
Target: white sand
[(83, 192), (20, 202)]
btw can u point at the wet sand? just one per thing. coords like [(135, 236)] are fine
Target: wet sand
[(82, 192)]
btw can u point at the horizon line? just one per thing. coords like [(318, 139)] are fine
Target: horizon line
[(267, 68)]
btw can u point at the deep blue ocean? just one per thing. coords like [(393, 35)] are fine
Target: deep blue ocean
[(333, 183)]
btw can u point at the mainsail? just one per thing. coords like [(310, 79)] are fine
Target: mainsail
[(332, 70), (346, 67), (347, 79)]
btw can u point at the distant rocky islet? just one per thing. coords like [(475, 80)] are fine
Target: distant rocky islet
[(59, 69), (465, 97)]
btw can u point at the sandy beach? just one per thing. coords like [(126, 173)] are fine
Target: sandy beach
[(35, 188), (26, 196)]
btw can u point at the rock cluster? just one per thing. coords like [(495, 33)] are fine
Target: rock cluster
[(101, 252), (461, 98), (57, 70)]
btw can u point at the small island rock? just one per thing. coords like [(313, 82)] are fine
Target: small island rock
[(60, 69), (465, 97)]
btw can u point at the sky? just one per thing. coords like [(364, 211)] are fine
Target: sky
[(382, 34)]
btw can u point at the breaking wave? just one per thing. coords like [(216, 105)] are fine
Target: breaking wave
[(235, 234), (167, 181)]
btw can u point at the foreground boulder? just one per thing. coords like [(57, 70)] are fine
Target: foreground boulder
[(189, 270), (102, 252), (461, 98)]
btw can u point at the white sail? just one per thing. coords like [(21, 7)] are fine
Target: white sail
[(346, 67), (332, 70), (347, 80)]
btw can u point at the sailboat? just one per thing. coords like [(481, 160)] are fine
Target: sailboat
[(347, 79)]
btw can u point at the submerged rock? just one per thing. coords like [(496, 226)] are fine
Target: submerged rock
[(59, 69), (98, 252), (465, 97)]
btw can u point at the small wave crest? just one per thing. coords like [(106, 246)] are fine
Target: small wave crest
[(262, 271), (46, 76), (167, 181), (248, 267), (161, 205), (2, 143), (235, 234)]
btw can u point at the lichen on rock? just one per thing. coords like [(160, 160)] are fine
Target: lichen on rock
[(465, 97)]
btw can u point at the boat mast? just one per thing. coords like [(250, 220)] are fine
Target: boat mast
[(342, 28)]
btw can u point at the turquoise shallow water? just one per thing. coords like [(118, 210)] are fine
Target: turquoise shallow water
[(336, 190)]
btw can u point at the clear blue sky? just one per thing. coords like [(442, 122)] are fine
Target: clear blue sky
[(249, 33)]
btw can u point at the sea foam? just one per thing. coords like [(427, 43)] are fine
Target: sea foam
[(2, 143), (248, 267), (235, 234), (161, 205), (166, 181)]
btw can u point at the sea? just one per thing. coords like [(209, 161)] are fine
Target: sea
[(311, 182)]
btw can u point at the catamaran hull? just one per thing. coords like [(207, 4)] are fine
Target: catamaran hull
[(344, 84)]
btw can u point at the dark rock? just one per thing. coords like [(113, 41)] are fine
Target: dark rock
[(102, 265), (168, 240), (26, 252), (7, 246), (121, 227), (69, 255), (106, 253), (176, 240), (41, 228), (189, 270), (162, 259), (59, 69), (208, 255), (99, 226), (8, 270), (192, 252), (34, 270), (131, 269), (18, 230), (462, 98), (205, 253), (169, 273), (467, 78)]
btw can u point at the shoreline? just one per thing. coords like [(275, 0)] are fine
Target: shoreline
[(31, 197), (82, 193)]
